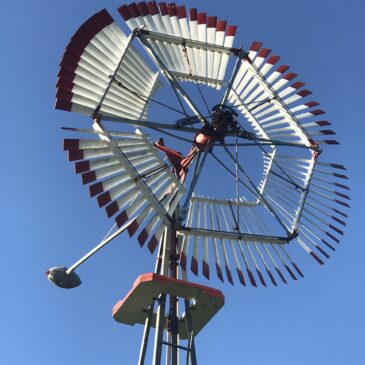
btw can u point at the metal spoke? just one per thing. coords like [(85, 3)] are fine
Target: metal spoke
[(149, 124), (233, 174), (195, 80), (258, 102), (178, 97), (237, 66), (172, 135), (268, 142), (289, 144), (198, 169), (112, 77), (169, 76), (148, 99), (288, 177), (189, 120), (261, 197), (237, 189)]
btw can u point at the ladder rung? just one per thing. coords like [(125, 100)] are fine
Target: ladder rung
[(177, 346)]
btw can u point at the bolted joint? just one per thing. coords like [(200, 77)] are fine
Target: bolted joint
[(183, 211), (240, 53), (293, 235), (138, 32)]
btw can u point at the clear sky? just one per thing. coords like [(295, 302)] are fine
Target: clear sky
[(48, 219)]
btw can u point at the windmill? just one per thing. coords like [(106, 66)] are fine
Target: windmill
[(290, 203)]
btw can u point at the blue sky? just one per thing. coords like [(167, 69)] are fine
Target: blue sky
[(47, 218)]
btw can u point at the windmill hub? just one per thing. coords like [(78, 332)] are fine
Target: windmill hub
[(224, 123), (224, 120)]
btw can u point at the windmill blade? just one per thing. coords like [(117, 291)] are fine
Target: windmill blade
[(208, 224), (98, 70), (224, 250), (115, 172), (194, 259), (218, 264), (310, 211), (205, 244), (227, 217), (195, 50), (269, 100)]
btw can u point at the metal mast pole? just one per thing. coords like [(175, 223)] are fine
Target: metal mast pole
[(173, 314), (160, 316)]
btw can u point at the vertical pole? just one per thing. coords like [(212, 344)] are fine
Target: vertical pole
[(147, 325), (168, 349), (191, 356), (173, 319), (146, 332), (167, 264), (162, 266), (159, 330)]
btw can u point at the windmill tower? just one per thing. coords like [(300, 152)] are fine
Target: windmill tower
[(294, 205)]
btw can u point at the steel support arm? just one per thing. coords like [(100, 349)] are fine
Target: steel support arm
[(199, 232), (259, 195), (149, 124), (180, 41), (237, 66)]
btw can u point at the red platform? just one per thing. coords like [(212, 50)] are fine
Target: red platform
[(205, 301)]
